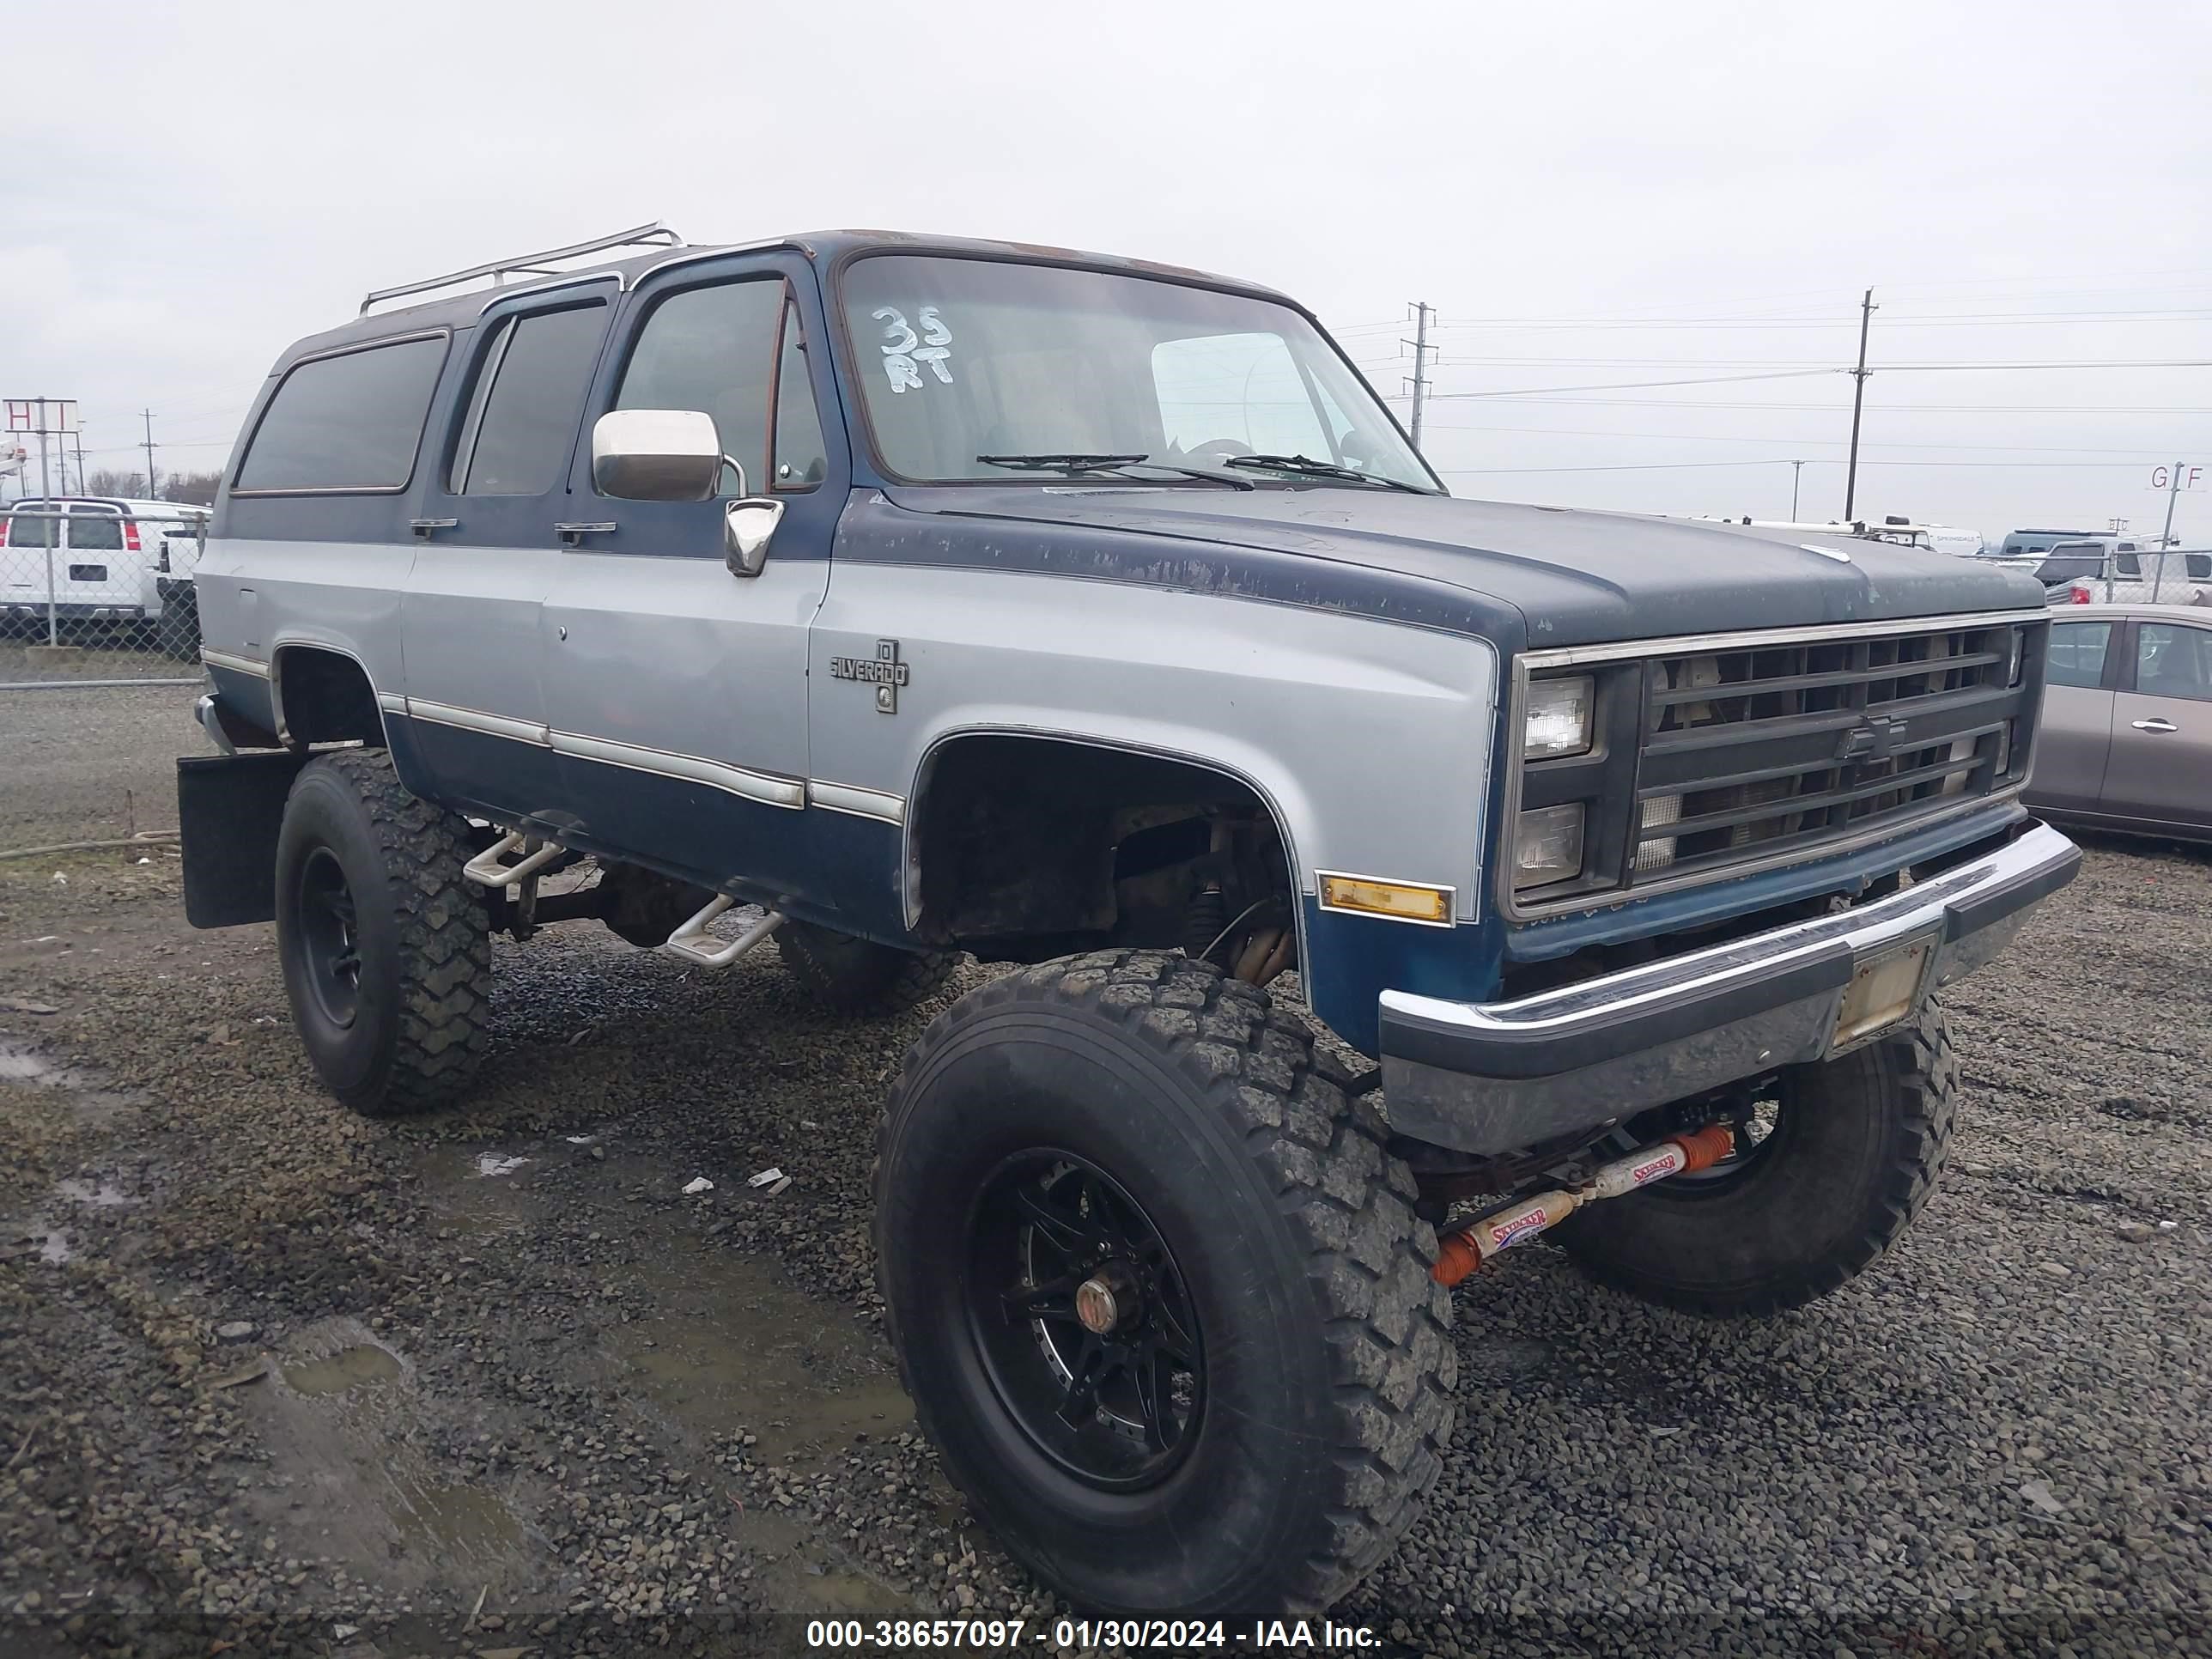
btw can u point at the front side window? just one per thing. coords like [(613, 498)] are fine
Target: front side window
[(2077, 653), (94, 532), (522, 415), (352, 421), (2199, 565), (2174, 659), (713, 348), (960, 359)]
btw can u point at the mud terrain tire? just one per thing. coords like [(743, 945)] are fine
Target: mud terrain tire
[(369, 876), (1854, 1154), (1325, 1401)]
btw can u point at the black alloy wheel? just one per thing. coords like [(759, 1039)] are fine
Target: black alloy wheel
[(1084, 1321), (330, 936)]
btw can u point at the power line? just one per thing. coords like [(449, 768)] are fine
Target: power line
[(1625, 385), (1761, 460)]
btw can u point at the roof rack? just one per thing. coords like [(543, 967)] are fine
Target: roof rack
[(533, 264)]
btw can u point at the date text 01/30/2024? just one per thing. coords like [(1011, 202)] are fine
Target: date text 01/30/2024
[(1003, 1635)]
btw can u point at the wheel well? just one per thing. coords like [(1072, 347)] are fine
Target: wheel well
[(325, 696), (1024, 849)]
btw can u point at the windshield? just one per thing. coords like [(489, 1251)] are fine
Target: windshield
[(965, 358)]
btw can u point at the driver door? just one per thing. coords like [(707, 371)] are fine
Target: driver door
[(675, 688)]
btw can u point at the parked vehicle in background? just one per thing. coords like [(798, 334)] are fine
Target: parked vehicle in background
[(105, 581), (2027, 544), (1093, 614), (2127, 720), (2181, 577)]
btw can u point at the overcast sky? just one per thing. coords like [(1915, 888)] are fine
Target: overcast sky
[(1573, 186)]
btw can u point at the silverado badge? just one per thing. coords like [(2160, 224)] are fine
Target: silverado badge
[(883, 670)]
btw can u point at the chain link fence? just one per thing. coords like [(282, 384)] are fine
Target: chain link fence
[(98, 592)]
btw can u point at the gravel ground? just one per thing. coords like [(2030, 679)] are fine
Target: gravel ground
[(274, 1376), (94, 764)]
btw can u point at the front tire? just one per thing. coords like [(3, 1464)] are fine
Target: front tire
[(1273, 1392), (857, 976), (386, 951), (1854, 1151)]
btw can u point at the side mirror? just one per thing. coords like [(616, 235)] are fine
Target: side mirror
[(748, 525), (656, 455)]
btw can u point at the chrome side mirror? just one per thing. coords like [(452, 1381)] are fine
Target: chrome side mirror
[(748, 525), (656, 455)]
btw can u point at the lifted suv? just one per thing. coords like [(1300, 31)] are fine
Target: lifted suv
[(1093, 614)]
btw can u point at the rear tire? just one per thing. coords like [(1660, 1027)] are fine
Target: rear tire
[(177, 629), (1260, 1240), (386, 951), (1856, 1147), (857, 976)]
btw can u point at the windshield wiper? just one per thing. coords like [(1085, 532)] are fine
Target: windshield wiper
[(1068, 463), (1079, 463), (1305, 466)]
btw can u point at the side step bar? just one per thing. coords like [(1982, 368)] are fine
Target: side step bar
[(486, 870), (691, 940), (695, 944)]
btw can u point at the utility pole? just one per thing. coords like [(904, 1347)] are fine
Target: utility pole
[(146, 414), (1796, 473), (2165, 536), (1422, 312), (78, 440), (1858, 401)]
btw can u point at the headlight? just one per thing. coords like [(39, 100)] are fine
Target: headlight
[(1556, 718), (1547, 846)]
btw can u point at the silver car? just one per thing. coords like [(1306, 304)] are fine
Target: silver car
[(2126, 741)]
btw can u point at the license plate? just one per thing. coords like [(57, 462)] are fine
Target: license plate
[(1882, 992)]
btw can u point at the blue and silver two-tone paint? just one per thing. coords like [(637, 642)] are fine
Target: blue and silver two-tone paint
[(1570, 814)]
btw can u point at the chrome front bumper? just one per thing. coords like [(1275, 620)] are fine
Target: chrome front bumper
[(1500, 1077)]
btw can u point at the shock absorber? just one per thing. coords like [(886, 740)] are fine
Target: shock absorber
[(1466, 1246), (1204, 919)]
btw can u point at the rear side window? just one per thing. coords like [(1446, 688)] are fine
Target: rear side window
[(2199, 566), (350, 421), (95, 533), (2128, 564), (2173, 661), (522, 414), (2077, 653)]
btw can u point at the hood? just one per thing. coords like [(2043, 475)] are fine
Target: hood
[(1578, 578)]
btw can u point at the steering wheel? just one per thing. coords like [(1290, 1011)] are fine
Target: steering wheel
[(1216, 450)]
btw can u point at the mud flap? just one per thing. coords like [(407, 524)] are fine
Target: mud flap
[(229, 808)]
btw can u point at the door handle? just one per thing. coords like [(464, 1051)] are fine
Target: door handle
[(573, 532), (427, 528), (2154, 725)]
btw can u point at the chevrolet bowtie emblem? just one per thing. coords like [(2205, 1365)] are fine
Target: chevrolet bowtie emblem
[(1878, 738)]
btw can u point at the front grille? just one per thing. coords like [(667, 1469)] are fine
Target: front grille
[(1760, 750), (1708, 755)]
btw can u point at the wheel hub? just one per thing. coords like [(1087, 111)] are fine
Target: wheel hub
[(1086, 1324), (1108, 1300)]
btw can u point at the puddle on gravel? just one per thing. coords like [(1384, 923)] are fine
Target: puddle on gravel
[(363, 1365), (100, 1195), (455, 1520), (737, 1348), (18, 1066)]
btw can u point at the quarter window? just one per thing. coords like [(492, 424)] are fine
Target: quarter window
[(2077, 653), (802, 460), (352, 421), (521, 422), (2174, 660)]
